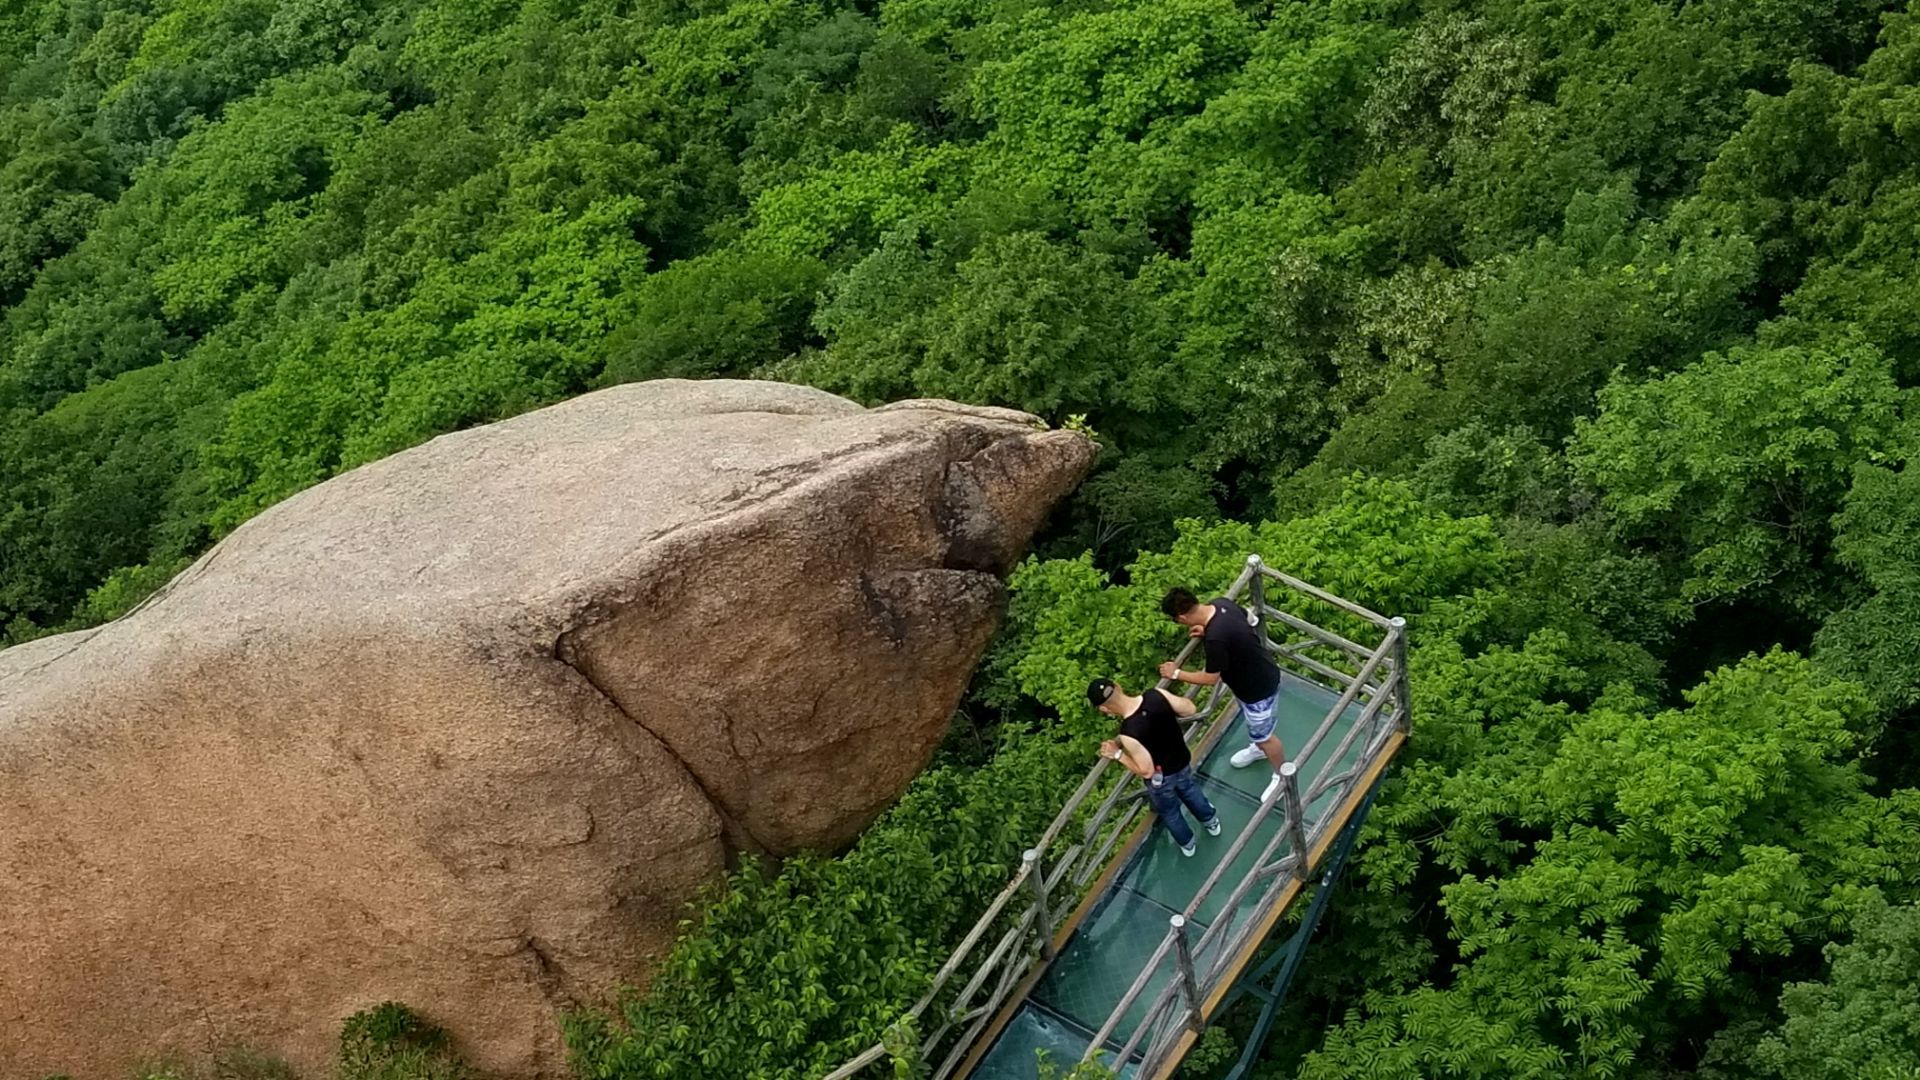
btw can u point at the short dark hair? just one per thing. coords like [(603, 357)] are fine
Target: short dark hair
[(1178, 602), (1099, 690)]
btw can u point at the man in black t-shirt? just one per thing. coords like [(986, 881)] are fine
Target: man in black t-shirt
[(1236, 654), (1152, 747)]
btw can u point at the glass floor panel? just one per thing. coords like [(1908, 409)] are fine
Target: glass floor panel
[(1250, 905), (1106, 953), (1034, 1029), (1161, 873), (1301, 708)]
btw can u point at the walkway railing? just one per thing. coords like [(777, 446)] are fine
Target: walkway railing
[(1024, 922)]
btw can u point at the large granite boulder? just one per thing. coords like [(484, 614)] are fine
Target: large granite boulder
[(467, 727)]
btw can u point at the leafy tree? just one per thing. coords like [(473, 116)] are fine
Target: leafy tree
[(838, 85), (236, 206), (1864, 1020), (1820, 176), (53, 186), (95, 484), (873, 316), (1742, 459), (1877, 639), (1665, 847), (1132, 505), (1034, 325), (728, 313), (1477, 470)]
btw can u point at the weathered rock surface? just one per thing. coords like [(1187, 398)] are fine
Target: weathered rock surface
[(466, 727)]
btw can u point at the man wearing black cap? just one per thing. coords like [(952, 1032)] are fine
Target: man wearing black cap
[(1151, 747)]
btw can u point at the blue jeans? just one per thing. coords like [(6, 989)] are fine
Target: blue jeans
[(1174, 789)]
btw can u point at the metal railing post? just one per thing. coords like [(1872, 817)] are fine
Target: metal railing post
[(1256, 589), (1296, 818), (1189, 985), (1401, 690), (1042, 918)]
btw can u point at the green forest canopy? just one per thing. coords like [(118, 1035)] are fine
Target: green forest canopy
[(1610, 302)]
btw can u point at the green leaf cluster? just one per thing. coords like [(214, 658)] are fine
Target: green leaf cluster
[(392, 1042), (1864, 1019)]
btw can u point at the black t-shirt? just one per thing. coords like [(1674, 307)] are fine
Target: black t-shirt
[(1157, 727), (1236, 653)]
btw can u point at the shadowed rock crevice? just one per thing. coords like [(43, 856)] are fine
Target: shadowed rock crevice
[(469, 726)]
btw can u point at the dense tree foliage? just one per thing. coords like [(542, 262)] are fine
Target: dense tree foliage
[(1258, 247), (1864, 1021), (1608, 303)]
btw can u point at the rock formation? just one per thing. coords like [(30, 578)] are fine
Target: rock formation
[(468, 726)]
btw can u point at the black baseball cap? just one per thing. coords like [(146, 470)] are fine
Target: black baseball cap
[(1099, 690)]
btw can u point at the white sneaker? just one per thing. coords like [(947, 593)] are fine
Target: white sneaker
[(1246, 756), (1189, 850), (1213, 827), (1273, 785)]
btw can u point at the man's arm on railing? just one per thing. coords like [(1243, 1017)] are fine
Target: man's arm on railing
[(1171, 670), (1131, 754)]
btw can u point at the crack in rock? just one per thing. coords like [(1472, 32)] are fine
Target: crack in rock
[(735, 834)]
